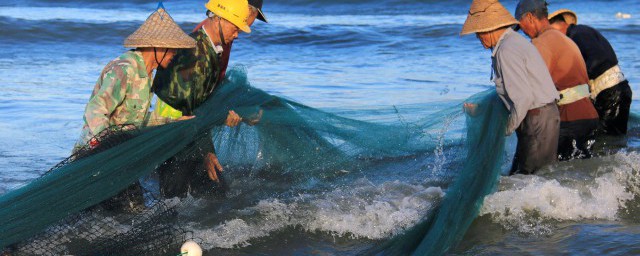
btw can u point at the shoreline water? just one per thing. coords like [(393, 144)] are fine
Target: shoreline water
[(353, 58)]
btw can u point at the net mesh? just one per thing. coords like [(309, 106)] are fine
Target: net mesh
[(67, 210)]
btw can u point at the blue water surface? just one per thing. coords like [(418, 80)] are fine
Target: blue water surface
[(353, 57)]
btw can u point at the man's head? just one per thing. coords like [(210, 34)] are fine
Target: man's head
[(235, 12), (229, 16), (228, 31), (532, 15), (561, 19), (486, 17), (159, 36), (487, 39), (158, 55), (257, 7), (564, 15), (253, 14)]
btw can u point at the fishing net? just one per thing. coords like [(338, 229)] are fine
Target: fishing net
[(67, 210), (447, 224)]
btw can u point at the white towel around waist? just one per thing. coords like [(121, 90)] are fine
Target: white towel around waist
[(573, 94), (605, 81)]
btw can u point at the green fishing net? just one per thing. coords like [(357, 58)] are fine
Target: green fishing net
[(63, 212)]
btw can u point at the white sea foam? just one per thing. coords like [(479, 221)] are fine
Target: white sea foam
[(363, 210), (529, 203)]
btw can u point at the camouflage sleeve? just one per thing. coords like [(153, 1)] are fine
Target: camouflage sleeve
[(113, 87), (154, 119), (174, 84)]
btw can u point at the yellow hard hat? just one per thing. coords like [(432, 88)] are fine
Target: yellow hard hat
[(234, 11)]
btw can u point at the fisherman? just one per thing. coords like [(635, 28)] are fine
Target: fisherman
[(255, 7), (122, 94), (522, 82), (579, 119), (189, 80), (610, 90)]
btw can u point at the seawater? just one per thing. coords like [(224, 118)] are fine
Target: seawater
[(360, 59)]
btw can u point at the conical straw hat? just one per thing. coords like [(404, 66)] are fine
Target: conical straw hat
[(159, 31), (485, 16), (569, 16)]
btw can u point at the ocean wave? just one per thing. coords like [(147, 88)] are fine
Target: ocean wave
[(363, 210), (110, 27), (571, 192), (58, 31), (274, 2), (86, 15), (288, 20)]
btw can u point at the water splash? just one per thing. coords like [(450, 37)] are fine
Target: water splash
[(570, 192)]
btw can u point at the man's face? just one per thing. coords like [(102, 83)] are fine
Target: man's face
[(485, 39), (167, 58), (229, 31), (252, 16), (527, 24)]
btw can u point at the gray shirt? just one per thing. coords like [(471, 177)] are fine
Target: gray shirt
[(522, 79)]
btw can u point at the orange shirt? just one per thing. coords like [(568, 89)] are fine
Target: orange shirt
[(567, 69)]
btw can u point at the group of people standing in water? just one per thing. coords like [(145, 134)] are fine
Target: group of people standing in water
[(188, 69), (562, 89)]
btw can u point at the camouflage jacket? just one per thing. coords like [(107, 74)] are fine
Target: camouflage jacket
[(122, 95), (191, 76)]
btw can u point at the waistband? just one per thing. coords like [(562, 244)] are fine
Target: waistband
[(537, 111), (605, 81), (573, 94)]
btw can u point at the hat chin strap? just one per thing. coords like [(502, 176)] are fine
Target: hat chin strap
[(491, 46), (220, 32), (155, 55)]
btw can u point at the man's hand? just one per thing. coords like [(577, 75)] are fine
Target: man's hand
[(470, 108), (233, 119), (213, 166), (254, 119)]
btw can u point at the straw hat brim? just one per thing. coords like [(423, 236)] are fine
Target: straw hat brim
[(161, 31), (569, 16), (485, 16)]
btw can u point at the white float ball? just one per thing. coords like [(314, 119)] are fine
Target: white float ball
[(191, 248)]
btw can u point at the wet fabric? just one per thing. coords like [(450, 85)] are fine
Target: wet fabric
[(613, 103), (613, 106), (576, 139), (186, 174), (537, 140), (567, 69)]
